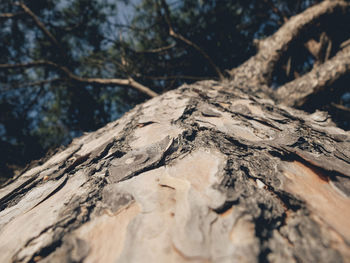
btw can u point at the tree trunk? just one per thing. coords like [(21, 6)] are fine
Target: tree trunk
[(210, 172)]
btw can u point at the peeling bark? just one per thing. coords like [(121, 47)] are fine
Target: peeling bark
[(210, 172), (202, 173)]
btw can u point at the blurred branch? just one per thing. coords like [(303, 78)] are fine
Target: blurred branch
[(187, 41), (272, 49), (41, 26), (175, 77), (133, 28), (11, 15), (320, 50), (341, 107), (157, 50), (99, 81), (321, 77), (42, 82), (345, 44)]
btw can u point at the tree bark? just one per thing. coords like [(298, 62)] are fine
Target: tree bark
[(216, 171)]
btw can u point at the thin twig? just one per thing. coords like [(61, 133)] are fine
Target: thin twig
[(175, 77), (156, 50), (41, 26), (187, 41), (11, 15), (341, 108), (97, 81), (133, 28)]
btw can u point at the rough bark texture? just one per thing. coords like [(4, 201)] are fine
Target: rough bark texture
[(210, 172)]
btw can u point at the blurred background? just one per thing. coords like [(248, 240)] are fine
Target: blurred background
[(46, 44)]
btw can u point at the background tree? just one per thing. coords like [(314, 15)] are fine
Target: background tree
[(70, 67)]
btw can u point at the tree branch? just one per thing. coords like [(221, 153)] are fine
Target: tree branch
[(321, 49), (297, 25), (11, 15), (175, 77), (99, 81), (270, 50), (42, 82), (156, 50), (187, 41), (41, 26), (345, 44), (297, 92), (341, 109)]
